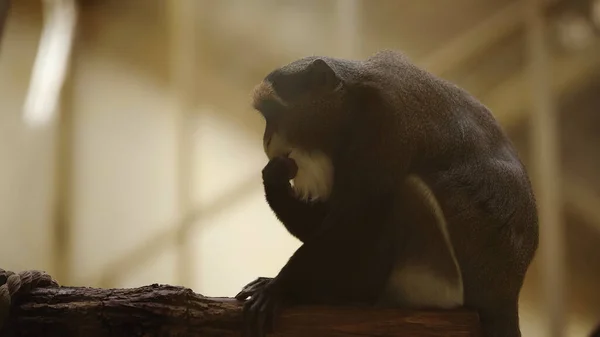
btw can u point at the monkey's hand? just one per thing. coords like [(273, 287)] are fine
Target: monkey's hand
[(279, 170), (261, 309), (252, 288)]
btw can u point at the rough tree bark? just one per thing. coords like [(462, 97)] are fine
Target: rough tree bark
[(161, 310)]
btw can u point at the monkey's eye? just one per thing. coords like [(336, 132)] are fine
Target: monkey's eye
[(269, 109)]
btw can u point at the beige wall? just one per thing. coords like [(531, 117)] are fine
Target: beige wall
[(125, 187), (25, 160), (125, 180), (124, 172)]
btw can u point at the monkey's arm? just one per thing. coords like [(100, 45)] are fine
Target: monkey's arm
[(346, 261), (291, 208), (300, 218), (338, 262)]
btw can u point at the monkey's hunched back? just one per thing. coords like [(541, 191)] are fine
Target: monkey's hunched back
[(423, 105), (429, 198), (471, 166)]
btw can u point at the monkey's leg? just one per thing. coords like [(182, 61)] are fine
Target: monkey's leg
[(500, 322), (492, 289), (493, 224), (492, 280), (300, 218)]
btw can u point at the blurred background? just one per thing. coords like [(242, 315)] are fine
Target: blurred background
[(130, 155)]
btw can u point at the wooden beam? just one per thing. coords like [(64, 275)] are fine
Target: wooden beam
[(511, 99), (63, 184), (547, 173), (4, 10), (162, 310), (63, 171), (475, 40), (579, 196), (182, 67), (348, 24)]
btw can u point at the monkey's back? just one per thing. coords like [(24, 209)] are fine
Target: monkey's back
[(467, 160)]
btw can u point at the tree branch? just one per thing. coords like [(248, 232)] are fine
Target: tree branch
[(162, 310)]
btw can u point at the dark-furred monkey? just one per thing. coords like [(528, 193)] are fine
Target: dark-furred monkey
[(406, 192)]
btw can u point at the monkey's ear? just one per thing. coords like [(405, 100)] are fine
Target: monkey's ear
[(322, 76)]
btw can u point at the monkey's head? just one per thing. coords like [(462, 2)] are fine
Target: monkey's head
[(302, 104)]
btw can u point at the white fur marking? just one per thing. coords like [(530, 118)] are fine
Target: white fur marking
[(314, 179), (418, 286)]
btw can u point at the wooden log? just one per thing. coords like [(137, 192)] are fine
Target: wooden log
[(162, 310)]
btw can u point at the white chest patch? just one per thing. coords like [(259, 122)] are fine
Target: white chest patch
[(314, 180), (414, 282)]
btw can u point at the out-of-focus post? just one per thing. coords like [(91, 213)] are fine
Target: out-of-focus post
[(44, 106), (182, 15), (51, 63), (348, 27), (545, 141), (4, 8)]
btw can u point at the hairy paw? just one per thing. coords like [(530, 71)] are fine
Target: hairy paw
[(279, 170), (261, 309), (252, 288)]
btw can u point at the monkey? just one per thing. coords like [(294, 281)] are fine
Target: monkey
[(301, 219), (406, 192)]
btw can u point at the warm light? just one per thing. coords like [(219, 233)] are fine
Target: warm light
[(575, 32), (596, 13), (51, 62)]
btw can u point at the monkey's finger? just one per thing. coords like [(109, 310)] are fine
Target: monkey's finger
[(257, 284), (248, 292), (252, 288), (252, 283), (259, 280), (242, 295)]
